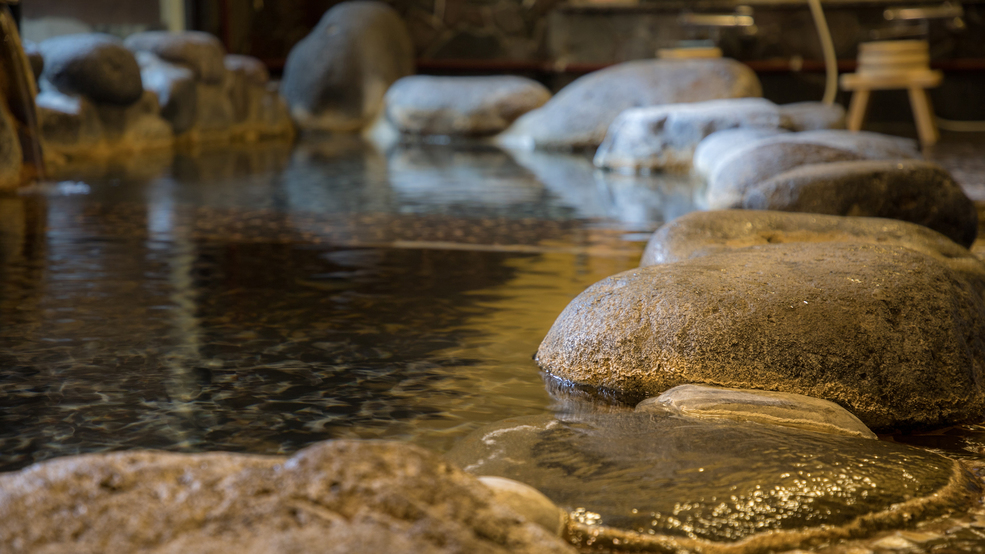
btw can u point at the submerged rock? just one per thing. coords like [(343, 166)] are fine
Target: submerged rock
[(701, 233), (579, 115), (429, 105), (810, 116), (95, 65), (337, 496), (892, 334), (528, 502), (198, 51), (768, 407), (335, 78), (664, 137), (660, 482), (712, 150), (909, 190)]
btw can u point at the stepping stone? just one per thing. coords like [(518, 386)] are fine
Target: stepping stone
[(463, 106), (710, 151), (892, 334)]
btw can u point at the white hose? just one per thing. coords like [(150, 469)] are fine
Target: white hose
[(828, 49)]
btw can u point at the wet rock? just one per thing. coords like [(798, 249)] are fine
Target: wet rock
[(909, 190), (772, 408), (34, 57), (704, 485), (267, 114), (810, 116), (11, 155), (252, 70), (96, 66), (365, 496), (711, 151), (892, 334), (528, 502), (244, 75), (579, 115), (67, 121), (137, 126), (175, 88), (214, 112), (874, 146), (429, 105), (664, 137), (196, 50), (335, 78)]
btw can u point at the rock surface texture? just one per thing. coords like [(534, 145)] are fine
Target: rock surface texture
[(198, 51), (909, 190), (772, 408), (713, 148), (664, 137), (429, 105), (93, 65), (579, 115), (333, 497), (656, 482), (335, 77), (892, 334)]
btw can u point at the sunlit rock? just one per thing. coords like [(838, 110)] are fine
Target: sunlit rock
[(579, 115), (664, 137), (661, 482), (892, 334), (430, 105), (338, 496), (335, 78), (909, 190), (810, 116), (701, 233), (767, 407), (96, 66), (198, 51)]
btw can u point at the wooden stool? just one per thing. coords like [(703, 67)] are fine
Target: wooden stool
[(895, 64)]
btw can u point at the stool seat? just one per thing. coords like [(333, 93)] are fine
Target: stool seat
[(923, 79)]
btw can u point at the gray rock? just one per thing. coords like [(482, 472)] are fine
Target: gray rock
[(528, 502), (579, 115), (34, 57), (11, 155), (711, 151), (175, 88), (863, 144), (96, 66), (335, 78), (772, 408), (655, 482), (664, 137), (333, 497), (196, 50), (429, 105), (892, 334), (701, 233), (68, 121), (252, 70), (810, 116), (909, 190)]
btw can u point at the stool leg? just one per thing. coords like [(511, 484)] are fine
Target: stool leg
[(857, 109), (923, 114)]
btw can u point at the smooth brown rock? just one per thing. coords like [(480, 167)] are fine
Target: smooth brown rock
[(333, 497), (889, 333), (94, 65)]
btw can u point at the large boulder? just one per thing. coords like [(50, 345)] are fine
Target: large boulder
[(579, 115), (196, 50), (96, 66), (333, 497), (909, 190), (429, 105), (175, 88), (664, 137), (892, 334), (335, 78), (657, 482)]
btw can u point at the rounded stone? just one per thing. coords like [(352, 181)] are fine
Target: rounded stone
[(701, 233), (710, 151), (889, 333), (430, 105), (335, 78), (196, 50), (767, 407), (639, 481), (579, 115), (909, 190), (366, 496), (252, 70), (95, 65), (528, 502), (175, 87)]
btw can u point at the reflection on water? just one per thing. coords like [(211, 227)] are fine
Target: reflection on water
[(259, 299)]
